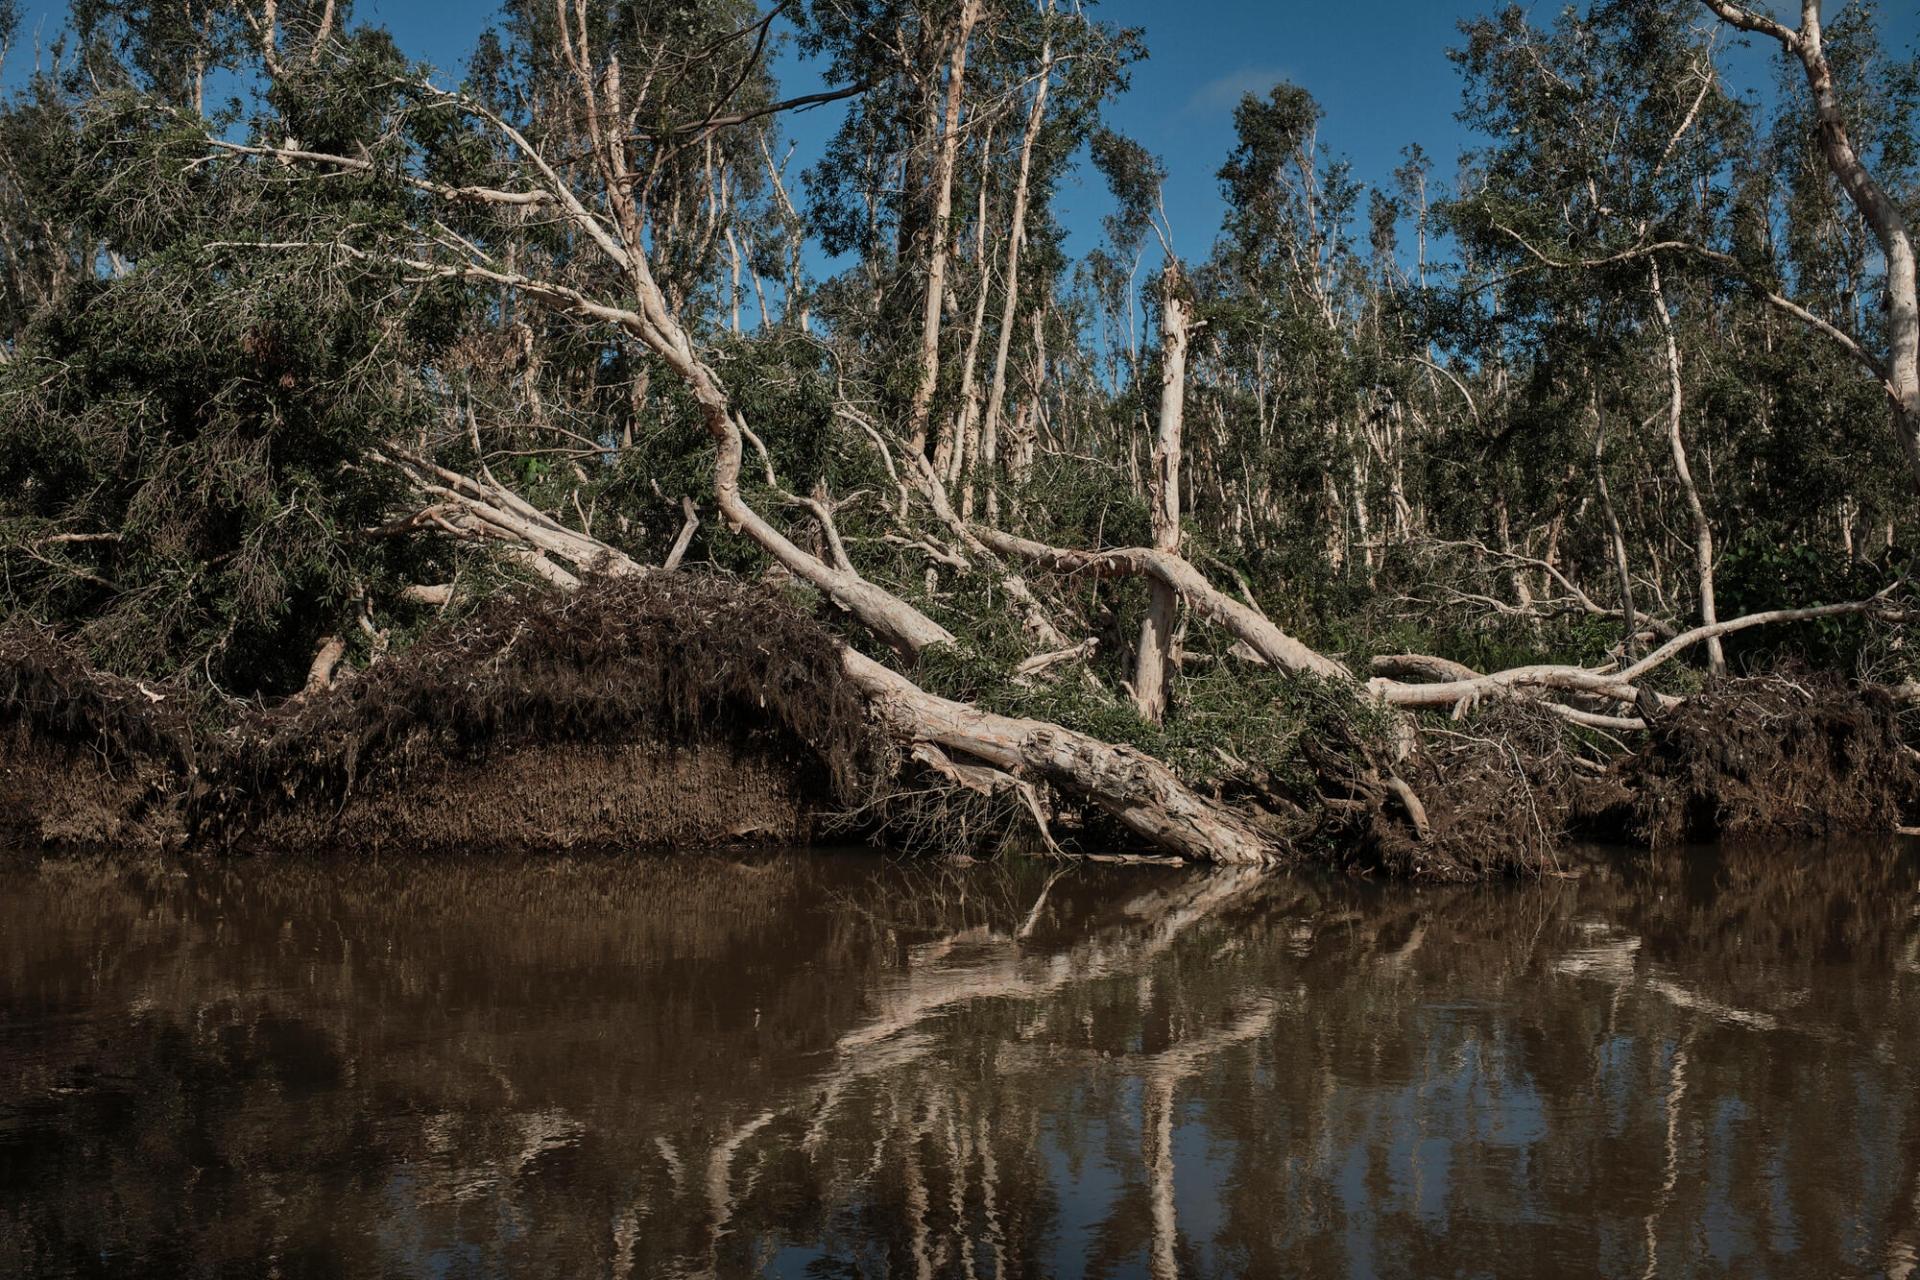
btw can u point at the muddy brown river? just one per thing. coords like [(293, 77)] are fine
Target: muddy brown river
[(843, 1065)]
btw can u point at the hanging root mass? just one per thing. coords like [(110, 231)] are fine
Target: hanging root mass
[(1802, 756)]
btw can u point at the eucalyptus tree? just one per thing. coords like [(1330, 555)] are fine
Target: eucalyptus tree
[(1878, 202), (1613, 134), (1286, 291), (183, 444), (367, 326)]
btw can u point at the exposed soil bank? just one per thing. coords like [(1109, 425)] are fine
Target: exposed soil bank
[(664, 712), (57, 796), (541, 797), (86, 758), (675, 711)]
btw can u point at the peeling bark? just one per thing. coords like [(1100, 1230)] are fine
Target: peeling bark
[(1702, 528), (1901, 375), (1136, 789)]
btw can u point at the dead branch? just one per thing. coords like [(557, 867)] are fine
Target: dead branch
[(1266, 639), (320, 670), (1046, 661), (685, 539)]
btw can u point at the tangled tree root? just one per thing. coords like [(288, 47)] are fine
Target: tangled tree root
[(1772, 756), (86, 758), (652, 710), (1491, 796)]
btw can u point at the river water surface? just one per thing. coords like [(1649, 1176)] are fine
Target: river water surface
[(824, 1065)]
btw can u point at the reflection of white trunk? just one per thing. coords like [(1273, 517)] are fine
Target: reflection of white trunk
[(916, 1197), (1676, 1092), (1158, 1144), (1163, 1074), (720, 1197), (990, 1198), (960, 1159), (977, 965)]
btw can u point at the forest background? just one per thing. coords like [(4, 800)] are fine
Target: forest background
[(310, 349)]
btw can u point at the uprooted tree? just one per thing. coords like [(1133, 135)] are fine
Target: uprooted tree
[(285, 378)]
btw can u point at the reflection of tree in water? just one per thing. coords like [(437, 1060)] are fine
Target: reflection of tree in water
[(824, 1066)]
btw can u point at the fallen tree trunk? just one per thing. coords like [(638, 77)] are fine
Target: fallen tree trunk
[(1273, 645), (1136, 789), (1143, 794)]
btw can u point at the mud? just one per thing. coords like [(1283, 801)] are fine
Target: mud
[(539, 798), (663, 710), (58, 796), (86, 758), (673, 711)]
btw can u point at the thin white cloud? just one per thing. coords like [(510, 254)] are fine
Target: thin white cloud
[(1223, 92)]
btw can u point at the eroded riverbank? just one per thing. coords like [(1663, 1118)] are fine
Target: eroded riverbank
[(830, 1064), (670, 712)]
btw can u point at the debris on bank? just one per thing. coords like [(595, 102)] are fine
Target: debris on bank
[(1784, 755), (674, 710), (1502, 792), (646, 711), (86, 758)]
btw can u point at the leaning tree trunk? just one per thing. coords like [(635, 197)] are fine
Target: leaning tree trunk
[(1139, 791), (951, 454), (1622, 570), (1901, 373), (1702, 528), (989, 453)]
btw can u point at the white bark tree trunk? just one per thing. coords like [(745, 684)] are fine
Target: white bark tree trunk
[(1702, 529), (1152, 657), (989, 452), (1901, 374), (939, 247)]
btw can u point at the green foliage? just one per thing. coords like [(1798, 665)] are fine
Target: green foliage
[(1225, 717), (184, 423), (205, 346), (182, 454), (1767, 569)]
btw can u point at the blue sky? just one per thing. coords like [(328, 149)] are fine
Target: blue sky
[(1378, 67)]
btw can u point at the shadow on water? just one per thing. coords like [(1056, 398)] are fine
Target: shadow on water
[(818, 1065)]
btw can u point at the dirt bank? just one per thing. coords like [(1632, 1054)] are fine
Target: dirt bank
[(674, 711), (86, 758), (668, 710), (540, 797), (679, 711)]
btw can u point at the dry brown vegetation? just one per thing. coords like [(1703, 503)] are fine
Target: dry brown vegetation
[(86, 758), (1807, 755)]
